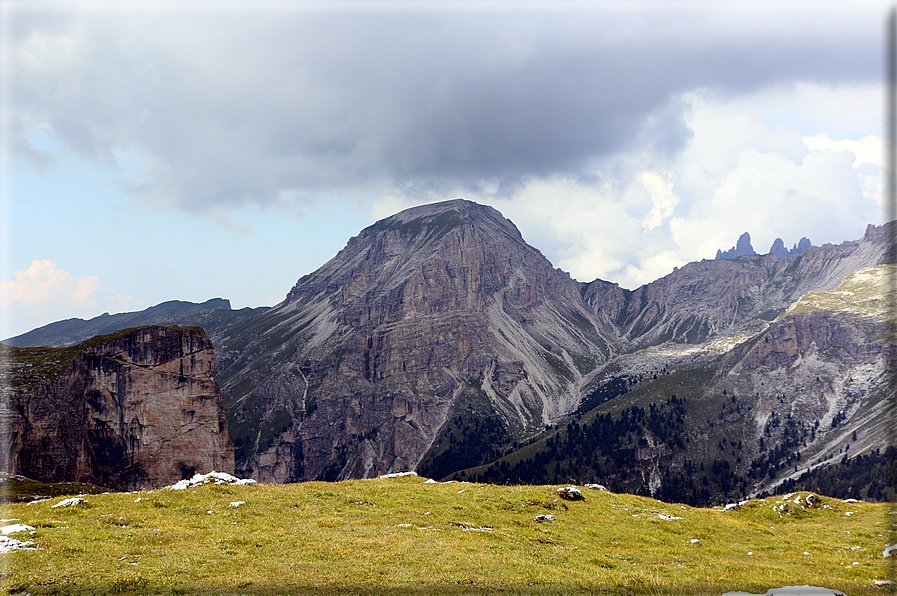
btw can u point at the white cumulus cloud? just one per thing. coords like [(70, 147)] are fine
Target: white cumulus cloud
[(43, 293)]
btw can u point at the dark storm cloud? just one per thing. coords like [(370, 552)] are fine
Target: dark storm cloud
[(242, 106)]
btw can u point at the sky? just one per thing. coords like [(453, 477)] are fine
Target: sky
[(156, 151)]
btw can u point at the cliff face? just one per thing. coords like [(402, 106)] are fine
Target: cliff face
[(424, 317), (133, 410)]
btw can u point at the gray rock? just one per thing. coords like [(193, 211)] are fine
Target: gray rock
[(742, 247)]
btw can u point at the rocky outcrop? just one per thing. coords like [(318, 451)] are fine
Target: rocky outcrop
[(133, 410), (779, 250), (742, 248)]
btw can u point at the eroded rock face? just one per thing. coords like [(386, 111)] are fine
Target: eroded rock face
[(438, 332), (133, 410), (424, 318), (738, 296)]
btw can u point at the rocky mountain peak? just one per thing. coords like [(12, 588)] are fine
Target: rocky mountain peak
[(447, 214), (779, 250), (455, 244), (742, 247)]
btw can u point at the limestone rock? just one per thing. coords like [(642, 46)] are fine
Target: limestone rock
[(742, 247), (431, 320), (779, 250), (134, 410)]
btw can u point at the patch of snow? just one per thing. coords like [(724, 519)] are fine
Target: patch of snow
[(851, 501), (884, 582), (14, 528), (138, 499), (463, 490), (887, 551), (480, 529), (570, 493), (430, 481), (237, 503), (544, 518), (849, 513), (3, 521), (216, 477), (396, 475), (667, 517), (808, 554), (596, 486), (8, 544), (694, 541), (69, 502), (728, 507)]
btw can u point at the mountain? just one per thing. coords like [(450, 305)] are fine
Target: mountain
[(738, 416), (439, 341), (136, 409), (210, 315), (437, 322)]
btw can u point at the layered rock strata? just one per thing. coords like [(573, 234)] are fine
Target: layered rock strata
[(132, 410)]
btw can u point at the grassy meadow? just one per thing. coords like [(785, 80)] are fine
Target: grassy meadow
[(404, 536)]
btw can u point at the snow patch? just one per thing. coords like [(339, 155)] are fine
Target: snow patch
[(15, 528), (396, 475), (69, 502), (216, 477), (8, 544), (570, 493)]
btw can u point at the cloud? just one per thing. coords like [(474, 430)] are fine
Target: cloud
[(631, 222), (43, 293), (226, 108), (663, 200)]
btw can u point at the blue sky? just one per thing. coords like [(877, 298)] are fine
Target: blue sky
[(158, 150)]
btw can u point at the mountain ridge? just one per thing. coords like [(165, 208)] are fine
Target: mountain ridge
[(438, 337)]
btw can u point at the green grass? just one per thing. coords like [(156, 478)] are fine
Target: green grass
[(862, 292), (401, 536)]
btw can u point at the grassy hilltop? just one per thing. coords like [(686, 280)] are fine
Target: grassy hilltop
[(404, 536)]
